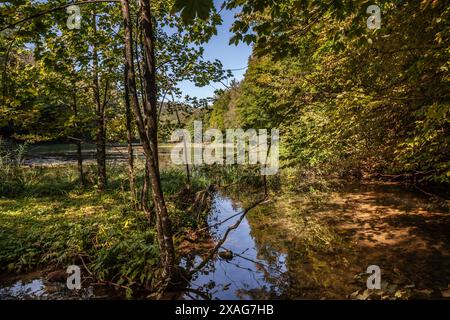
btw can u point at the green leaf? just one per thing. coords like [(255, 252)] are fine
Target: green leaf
[(190, 9)]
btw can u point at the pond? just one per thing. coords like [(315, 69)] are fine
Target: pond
[(63, 154), (249, 270), (306, 247)]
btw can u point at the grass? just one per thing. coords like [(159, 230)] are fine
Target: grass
[(47, 221)]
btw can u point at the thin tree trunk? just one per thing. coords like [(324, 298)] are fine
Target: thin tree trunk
[(145, 192), (100, 115), (138, 44), (264, 177), (188, 174), (78, 142), (80, 164), (131, 176), (147, 128), (162, 217)]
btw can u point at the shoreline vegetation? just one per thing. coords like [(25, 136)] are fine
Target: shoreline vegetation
[(49, 222)]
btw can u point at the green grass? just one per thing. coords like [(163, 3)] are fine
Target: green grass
[(55, 230), (49, 222)]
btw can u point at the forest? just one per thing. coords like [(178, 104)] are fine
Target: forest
[(354, 99)]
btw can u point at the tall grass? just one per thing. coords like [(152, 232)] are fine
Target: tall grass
[(12, 176)]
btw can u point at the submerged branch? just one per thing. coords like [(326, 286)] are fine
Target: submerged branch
[(225, 236)]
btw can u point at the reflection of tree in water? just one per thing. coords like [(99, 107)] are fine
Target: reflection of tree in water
[(279, 264), (300, 248), (268, 277), (268, 274), (244, 265), (304, 270)]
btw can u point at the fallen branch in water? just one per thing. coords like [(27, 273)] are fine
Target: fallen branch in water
[(258, 263), (432, 195), (219, 223), (225, 236)]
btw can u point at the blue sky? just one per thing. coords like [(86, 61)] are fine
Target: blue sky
[(231, 56)]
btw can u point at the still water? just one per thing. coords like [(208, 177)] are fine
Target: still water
[(298, 247), (248, 271)]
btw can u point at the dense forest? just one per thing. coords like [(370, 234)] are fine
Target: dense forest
[(89, 104), (348, 101)]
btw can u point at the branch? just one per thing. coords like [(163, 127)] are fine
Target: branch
[(42, 13), (225, 236)]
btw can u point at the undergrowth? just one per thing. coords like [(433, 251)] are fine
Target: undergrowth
[(48, 221)]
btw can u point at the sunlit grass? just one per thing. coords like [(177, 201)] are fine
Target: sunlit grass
[(50, 222)]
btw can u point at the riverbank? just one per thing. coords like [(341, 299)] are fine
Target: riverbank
[(49, 223), (313, 239)]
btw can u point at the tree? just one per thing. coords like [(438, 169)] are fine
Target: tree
[(98, 61), (347, 99)]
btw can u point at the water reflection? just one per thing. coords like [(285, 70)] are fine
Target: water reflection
[(21, 290), (253, 272), (301, 247), (41, 289)]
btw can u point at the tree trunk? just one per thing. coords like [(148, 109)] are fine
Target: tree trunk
[(162, 217), (80, 164), (147, 128), (78, 141), (100, 115), (145, 192), (131, 176)]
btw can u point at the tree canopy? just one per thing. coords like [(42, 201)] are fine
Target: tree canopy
[(345, 96)]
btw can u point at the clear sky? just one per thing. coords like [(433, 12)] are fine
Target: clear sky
[(231, 56)]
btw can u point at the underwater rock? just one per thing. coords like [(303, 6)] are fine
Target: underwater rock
[(226, 254)]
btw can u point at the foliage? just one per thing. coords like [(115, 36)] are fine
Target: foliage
[(224, 114), (47, 67), (11, 160), (189, 10), (349, 100), (52, 224)]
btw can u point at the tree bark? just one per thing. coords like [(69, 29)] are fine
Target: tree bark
[(147, 128), (78, 142), (131, 176), (100, 115), (188, 173), (145, 192), (162, 217)]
